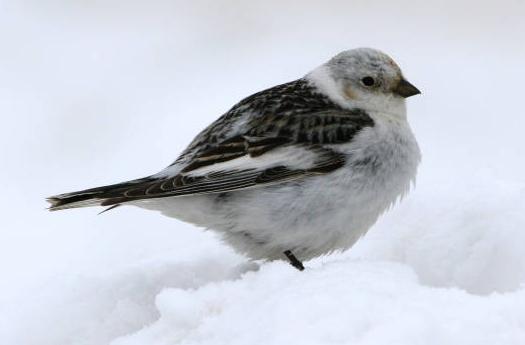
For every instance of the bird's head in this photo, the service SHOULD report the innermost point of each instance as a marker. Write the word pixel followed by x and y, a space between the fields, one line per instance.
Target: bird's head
pixel 365 78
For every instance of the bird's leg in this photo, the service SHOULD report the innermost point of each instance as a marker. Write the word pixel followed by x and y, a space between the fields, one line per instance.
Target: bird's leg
pixel 293 260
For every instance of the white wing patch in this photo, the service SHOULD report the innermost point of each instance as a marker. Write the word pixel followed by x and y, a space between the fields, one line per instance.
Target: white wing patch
pixel 293 158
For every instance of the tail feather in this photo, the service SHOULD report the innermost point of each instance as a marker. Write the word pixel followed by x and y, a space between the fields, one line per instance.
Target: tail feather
pixel 100 196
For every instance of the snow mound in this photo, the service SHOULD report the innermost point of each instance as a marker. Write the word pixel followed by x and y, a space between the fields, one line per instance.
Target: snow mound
pixel 92 310
pixel 338 302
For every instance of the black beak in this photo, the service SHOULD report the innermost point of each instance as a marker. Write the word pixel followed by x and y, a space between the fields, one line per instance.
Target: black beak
pixel 405 89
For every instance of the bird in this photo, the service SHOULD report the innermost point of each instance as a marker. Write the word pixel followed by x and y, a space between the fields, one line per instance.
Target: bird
pixel 293 172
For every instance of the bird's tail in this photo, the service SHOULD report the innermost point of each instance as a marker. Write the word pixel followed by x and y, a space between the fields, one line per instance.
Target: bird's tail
pixel 100 196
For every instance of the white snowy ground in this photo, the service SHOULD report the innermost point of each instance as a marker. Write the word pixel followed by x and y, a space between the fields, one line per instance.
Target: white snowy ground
pixel 88 90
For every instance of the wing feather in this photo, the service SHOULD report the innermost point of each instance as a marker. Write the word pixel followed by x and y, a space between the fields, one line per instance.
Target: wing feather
pixel 295 148
pixel 223 181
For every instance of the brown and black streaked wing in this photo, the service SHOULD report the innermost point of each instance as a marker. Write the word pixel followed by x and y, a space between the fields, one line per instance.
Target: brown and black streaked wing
pixel 270 132
pixel 314 133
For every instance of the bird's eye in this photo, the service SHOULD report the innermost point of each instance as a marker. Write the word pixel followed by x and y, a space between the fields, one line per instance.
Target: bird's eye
pixel 368 81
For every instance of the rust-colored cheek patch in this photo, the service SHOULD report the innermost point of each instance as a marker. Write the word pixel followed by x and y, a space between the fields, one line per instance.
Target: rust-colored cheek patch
pixel 349 93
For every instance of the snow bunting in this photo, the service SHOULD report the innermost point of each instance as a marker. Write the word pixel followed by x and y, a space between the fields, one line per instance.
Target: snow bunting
pixel 292 172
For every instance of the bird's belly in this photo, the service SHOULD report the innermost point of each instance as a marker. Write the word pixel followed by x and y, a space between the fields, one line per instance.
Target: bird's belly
pixel 314 218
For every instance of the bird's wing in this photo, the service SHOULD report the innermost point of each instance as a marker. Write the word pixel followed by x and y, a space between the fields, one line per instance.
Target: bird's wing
pixel 285 133
pixel 275 149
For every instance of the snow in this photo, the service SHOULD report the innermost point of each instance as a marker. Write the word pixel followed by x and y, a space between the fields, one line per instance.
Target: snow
pixel 446 266
pixel 375 303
